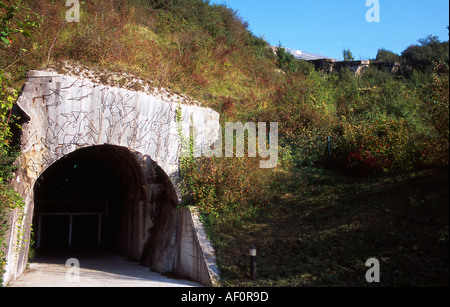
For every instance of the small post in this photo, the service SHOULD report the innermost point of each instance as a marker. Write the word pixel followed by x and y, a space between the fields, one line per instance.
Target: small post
pixel 329 151
pixel 252 253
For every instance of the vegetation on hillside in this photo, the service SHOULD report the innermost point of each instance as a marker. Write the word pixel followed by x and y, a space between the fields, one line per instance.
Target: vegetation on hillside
pixel 15 19
pixel 339 134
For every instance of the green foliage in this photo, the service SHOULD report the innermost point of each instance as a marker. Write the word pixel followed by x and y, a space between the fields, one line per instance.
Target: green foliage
pixel 11 24
pixel 220 186
pixel 431 50
pixel 307 150
pixel 286 60
pixel 435 111
pixel 9 199
pixel 216 20
pixel 347 55
pixel 384 55
pixel 15 18
pixel 378 145
pixel 161 4
pixel 378 122
pixel 305 67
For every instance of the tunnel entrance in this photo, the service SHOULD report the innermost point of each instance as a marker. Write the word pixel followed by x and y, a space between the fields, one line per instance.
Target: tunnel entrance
pixel 80 201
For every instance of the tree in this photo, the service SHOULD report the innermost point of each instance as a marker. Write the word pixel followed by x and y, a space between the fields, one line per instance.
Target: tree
pixel 286 60
pixel 384 55
pixel 348 56
pixel 431 50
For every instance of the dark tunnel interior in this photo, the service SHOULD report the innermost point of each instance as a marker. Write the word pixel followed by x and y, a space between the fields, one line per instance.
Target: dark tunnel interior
pixel 80 198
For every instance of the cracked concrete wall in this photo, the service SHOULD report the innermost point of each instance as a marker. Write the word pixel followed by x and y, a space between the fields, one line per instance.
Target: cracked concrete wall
pixel 67 113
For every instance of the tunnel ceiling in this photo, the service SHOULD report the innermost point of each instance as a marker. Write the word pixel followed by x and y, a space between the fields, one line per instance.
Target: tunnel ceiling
pixel 94 173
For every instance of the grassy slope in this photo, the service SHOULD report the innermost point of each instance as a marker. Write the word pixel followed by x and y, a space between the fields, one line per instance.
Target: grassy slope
pixel 179 50
pixel 323 226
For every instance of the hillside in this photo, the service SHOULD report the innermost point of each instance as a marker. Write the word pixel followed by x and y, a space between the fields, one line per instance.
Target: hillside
pixel 363 160
pixel 200 50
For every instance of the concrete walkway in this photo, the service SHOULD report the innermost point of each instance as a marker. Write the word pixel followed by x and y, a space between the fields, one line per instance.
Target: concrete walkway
pixel 96 270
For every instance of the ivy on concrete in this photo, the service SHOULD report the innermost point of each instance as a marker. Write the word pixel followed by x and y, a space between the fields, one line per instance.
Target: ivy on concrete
pixel 15 19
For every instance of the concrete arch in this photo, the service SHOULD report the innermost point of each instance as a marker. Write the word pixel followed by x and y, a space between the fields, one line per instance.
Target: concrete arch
pixel 136 202
pixel 72 115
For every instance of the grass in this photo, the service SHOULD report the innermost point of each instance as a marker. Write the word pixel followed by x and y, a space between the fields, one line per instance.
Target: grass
pixel 324 226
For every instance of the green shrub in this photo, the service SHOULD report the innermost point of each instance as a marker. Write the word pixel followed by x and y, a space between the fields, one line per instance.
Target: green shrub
pixel 308 150
pixel 379 145
pixel 222 186
pixel 286 61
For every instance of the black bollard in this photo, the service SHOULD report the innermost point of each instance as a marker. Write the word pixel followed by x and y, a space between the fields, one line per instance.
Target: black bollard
pixel 252 253
pixel 329 151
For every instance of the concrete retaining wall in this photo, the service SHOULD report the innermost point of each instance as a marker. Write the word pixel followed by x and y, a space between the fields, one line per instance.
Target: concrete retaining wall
pixel 198 261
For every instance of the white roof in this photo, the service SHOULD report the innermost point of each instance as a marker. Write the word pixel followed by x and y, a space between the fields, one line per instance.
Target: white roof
pixel 307 56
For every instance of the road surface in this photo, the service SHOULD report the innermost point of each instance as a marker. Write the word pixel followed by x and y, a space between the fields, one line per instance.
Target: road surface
pixel 95 270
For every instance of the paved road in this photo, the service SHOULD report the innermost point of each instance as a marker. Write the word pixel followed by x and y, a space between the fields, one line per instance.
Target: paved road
pixel 96 270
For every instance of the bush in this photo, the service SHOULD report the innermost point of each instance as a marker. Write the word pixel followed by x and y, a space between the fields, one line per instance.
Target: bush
pixel 308 150
pixel 286 60
pixel 222 186
pixel 378 145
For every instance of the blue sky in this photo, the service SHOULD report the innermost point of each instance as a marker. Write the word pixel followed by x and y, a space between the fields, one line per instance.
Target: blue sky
pixel 328 26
